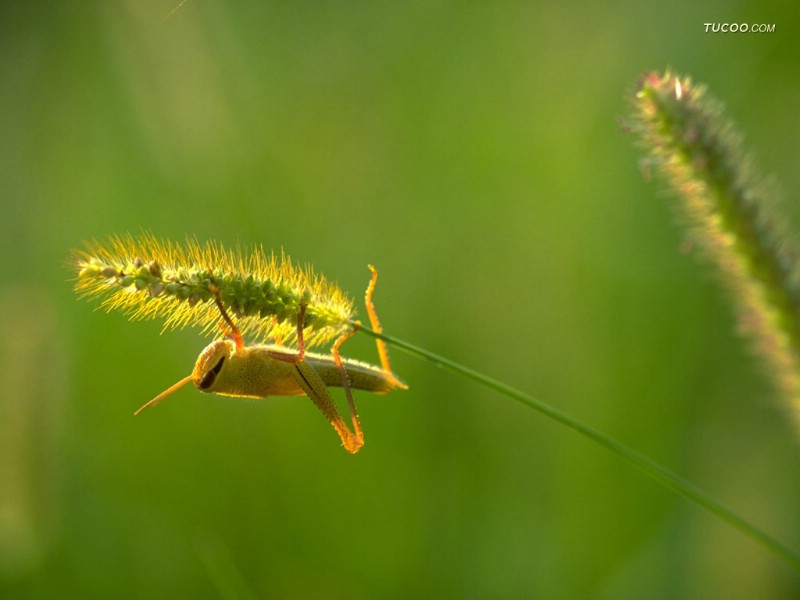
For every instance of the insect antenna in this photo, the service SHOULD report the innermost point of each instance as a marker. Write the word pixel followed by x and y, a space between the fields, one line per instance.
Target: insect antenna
pixel 165 393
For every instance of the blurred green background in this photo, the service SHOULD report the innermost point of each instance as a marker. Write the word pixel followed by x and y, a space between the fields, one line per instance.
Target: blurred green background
pixel 473 152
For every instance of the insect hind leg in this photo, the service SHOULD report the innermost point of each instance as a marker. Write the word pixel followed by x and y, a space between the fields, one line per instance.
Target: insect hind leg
pixel 383 351
pixel 358 435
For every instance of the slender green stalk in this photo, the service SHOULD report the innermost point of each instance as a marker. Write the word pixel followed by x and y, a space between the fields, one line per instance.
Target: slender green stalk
pixel 646 465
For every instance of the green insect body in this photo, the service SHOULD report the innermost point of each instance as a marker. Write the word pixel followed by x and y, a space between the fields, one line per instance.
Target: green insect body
pixel 256 372
pixel 262 371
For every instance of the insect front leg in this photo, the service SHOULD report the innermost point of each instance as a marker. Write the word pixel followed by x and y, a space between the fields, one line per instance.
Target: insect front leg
pixel 234 331
pixel 301 346
pixel 237 336
pixel 313 385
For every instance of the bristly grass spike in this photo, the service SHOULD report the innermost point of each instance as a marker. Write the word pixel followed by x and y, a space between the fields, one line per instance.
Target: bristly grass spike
pixel 145 277
pixel 203 284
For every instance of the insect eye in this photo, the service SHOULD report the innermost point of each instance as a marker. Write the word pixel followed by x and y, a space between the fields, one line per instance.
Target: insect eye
pixel 208 379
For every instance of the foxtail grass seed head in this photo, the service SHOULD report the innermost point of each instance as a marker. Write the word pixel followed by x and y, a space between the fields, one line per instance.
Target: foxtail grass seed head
pixel 731 215
pixel 145 277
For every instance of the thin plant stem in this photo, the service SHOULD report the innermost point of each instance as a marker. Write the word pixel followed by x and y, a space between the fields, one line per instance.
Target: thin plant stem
pixel 643 463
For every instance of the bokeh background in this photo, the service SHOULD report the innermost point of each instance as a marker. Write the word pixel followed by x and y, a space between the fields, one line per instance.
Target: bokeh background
pixel 474 153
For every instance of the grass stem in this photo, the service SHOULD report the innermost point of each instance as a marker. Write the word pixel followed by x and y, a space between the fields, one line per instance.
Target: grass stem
pixel 646 465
